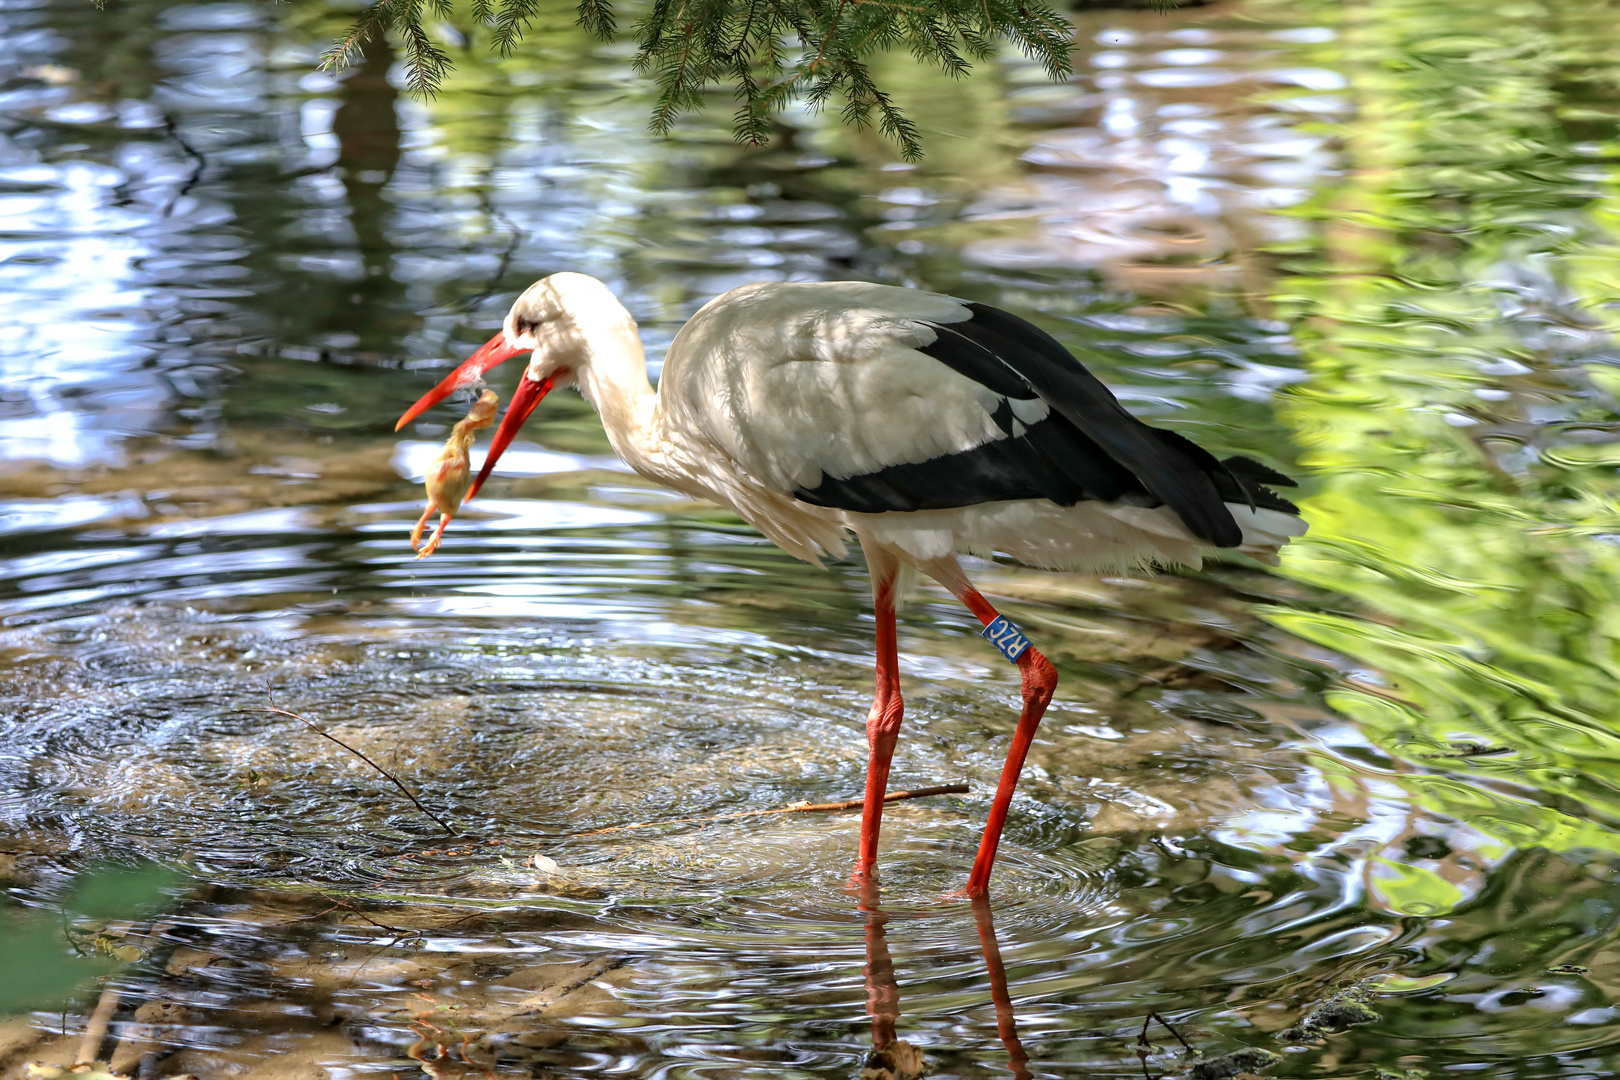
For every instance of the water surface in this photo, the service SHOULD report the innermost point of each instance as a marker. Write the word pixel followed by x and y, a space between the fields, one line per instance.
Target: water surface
pixel 1372 245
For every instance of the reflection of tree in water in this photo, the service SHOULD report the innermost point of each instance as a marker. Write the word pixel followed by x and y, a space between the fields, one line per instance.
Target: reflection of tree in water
pixel 1458 346
pixel 323 268
pixel 114 48
pixel 1537 912
pixel 253 253
pixel 367 129
pixel 319 295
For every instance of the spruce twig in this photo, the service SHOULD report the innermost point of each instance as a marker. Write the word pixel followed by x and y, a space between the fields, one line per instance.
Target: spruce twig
pixel 767 52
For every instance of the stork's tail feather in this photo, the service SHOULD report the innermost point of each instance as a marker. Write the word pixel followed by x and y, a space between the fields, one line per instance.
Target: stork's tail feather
pixel 1266 529
pixel 1250 469
pixel 1267 519
pixel 1238 480
pixel 1243 480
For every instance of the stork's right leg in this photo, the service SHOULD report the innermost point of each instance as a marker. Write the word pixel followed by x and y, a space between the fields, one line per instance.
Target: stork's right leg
pixel 883 721
pixel 1039 683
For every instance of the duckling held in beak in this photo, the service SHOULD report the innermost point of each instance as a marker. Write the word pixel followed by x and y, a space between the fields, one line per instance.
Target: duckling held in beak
pixel 450 475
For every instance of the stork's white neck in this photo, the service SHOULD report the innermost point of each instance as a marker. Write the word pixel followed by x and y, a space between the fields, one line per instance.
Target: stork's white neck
pixel 613 377
pixel 575 325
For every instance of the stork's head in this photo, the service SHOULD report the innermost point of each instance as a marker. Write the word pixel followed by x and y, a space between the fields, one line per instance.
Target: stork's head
pixel 553 320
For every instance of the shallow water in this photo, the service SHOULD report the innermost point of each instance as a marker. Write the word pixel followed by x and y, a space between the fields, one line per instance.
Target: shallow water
pixel 1369 244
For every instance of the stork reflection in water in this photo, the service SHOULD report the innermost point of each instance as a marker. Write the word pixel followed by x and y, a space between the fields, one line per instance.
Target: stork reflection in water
pixel 893 1058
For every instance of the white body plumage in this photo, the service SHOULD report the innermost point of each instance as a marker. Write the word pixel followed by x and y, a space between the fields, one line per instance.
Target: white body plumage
pixel 770 388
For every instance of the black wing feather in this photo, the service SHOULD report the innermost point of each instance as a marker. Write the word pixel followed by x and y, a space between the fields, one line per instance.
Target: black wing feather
pixel 1164 468
pixel 1043 463
pixel 965 354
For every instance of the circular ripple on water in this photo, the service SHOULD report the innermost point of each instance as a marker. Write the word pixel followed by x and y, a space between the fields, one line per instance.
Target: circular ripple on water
pixel 160 746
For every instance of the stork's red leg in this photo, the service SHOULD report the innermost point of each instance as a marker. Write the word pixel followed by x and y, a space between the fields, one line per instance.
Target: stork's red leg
pixel 1006 1022
pixel 883 721
pixel 1040 682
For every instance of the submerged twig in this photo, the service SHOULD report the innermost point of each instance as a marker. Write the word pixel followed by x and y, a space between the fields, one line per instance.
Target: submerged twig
pixel 95 1032
pixel 390 777
pixel 1142 1039
pixel 1468 750
pixel 201 163
pixel 796 808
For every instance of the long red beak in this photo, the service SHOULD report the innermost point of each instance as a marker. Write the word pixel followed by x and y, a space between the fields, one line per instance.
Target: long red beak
pixel 494 351
pixel 528 395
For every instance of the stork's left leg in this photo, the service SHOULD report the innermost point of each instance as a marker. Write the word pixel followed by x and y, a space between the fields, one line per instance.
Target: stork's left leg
pixel 883 721
pixel 1040 683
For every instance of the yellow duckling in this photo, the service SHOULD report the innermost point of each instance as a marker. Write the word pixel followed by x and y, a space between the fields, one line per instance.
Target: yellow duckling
pixel 450 475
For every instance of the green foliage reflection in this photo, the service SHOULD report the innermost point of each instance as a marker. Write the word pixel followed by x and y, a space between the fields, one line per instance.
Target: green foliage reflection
pixel 1457 316
pixel 44 963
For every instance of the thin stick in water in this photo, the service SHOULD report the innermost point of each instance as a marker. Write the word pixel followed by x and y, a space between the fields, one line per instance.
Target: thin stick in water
pixel 392 779
pixel 796 808
pixel 1142 1039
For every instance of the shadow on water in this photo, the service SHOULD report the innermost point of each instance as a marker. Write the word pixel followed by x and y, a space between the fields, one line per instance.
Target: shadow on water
pixel 1358 815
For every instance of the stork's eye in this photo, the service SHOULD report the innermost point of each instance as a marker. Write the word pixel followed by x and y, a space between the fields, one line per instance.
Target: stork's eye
pixel 524 325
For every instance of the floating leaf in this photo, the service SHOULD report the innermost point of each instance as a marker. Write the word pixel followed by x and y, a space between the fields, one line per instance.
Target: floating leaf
pixel 1413 890
pixel 1409 984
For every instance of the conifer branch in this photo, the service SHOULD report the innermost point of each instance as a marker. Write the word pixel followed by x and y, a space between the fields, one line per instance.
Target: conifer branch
pixel 766 52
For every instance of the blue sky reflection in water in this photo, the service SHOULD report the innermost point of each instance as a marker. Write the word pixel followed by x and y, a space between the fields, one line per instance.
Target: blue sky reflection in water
pixel 1374 243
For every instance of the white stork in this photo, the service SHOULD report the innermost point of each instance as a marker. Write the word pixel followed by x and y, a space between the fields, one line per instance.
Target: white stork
pixel 923 424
